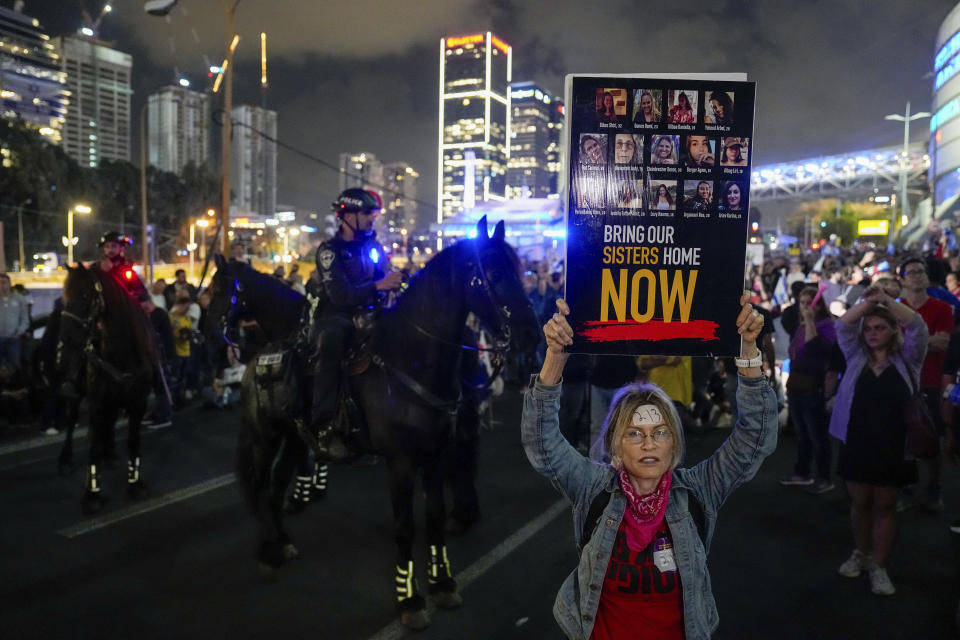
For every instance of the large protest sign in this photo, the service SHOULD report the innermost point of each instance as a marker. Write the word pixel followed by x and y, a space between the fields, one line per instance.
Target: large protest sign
pixel 658 176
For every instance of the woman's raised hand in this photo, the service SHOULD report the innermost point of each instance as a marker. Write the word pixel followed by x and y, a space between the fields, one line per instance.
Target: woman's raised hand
pixel 749 321
pixel 558 331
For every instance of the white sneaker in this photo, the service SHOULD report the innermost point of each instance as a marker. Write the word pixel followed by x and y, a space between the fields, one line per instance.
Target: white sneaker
pixel 855 564
pixel 880 582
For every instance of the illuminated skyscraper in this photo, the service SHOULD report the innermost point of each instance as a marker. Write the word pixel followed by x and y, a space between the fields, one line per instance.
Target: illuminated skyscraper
pixel 361 170
pixel 33 87
pixel 474 122
pixel 253 165
pixel 400 198
pixel 178 128
pixel 536 120
pixel 98 118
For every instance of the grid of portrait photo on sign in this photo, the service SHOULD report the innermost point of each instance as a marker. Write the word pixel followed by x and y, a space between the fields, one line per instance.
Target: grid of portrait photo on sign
pixel 676 149
pixel 659 175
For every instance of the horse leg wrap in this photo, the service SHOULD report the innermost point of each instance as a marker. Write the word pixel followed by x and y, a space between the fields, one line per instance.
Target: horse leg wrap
pixel 93 479
pixel 440 574
pixel 320 478
pixel 302 489
pixel 406 582
pixel 133 470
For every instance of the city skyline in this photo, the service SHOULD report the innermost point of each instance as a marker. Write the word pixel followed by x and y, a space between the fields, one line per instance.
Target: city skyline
pixel 333 95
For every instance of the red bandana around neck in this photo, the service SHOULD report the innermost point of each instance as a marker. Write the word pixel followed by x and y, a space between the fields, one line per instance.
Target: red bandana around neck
pixel 644 513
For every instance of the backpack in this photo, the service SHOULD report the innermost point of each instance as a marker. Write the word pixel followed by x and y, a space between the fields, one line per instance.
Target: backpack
pixel 602 499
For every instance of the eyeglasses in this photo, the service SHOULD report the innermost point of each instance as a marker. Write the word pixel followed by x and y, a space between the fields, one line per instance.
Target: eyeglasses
pixel 914 272
pixel 635 436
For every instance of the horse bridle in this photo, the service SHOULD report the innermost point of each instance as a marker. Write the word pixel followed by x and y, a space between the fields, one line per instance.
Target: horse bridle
pixel 502 339
pixel 88 323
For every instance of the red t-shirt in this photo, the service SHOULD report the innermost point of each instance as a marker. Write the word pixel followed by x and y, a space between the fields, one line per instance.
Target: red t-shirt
pixel 939 317
pixel 638 601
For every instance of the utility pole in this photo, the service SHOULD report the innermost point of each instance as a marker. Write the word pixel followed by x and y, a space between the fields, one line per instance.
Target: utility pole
pixel 906 119
pixel 230 11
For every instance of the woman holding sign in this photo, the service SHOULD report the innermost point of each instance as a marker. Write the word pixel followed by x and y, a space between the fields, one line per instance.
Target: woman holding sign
pixel 632 514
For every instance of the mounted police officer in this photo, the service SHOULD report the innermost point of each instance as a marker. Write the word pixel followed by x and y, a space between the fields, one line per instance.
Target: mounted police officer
pixel 353 271
pixel 115 262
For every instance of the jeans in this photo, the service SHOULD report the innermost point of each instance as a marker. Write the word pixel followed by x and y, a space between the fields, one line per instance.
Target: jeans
pixel 810 420
pixel 10 352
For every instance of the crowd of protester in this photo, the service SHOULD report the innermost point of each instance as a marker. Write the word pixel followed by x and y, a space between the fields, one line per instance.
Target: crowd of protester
pixel 830 317
pixel 819 325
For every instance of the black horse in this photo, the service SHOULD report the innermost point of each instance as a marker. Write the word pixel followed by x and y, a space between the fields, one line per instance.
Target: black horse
pixel 407 399
pixel 104 331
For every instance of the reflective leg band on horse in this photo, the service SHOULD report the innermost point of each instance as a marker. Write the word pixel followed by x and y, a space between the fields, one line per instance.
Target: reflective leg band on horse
pixel 133 470
pixel 93 480
pixel 439 564
pixel 320 477
pixel 406 584
pixel 301 490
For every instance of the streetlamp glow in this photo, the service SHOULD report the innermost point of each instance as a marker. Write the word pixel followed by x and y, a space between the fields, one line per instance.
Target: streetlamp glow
pixel 70 240
pixel 906 119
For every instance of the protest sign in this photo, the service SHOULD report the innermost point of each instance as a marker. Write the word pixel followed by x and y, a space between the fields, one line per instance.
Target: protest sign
pixel 658 181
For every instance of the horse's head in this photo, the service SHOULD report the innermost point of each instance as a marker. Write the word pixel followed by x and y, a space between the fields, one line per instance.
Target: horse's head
pixel 495 290
pixel 224 304
pixel 82 306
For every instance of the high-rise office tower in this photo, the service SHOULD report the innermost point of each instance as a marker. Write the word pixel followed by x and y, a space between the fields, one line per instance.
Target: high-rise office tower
pixel 362 170
pixel 178 128
pixel 253 161
pixel 400 198
pixel 536 120
pixel 474 122
pixel 33 87
pixel 98 118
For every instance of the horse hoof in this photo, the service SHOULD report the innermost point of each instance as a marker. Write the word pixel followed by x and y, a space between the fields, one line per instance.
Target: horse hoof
pixel 417 620
pixel 268 573
pixel 92 503
pixel 137 490
pixel 289 551
pixel 447 599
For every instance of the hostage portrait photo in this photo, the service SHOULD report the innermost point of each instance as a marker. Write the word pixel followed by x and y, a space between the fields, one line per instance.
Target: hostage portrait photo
pixel 664 150
pixel 698 195
pixel 647 107
pixel 663 195
pixel 699 151
pixel 735 152
pixel 682 106
pixel 590 189
pixel 592 149
pixel 719 108
pixel 627 149
pixel 611 105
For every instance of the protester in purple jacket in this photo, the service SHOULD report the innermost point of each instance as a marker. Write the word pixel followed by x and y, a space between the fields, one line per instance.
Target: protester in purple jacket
pixel 883 367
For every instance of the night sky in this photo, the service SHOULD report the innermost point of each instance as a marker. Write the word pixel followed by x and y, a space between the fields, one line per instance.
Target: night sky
pixel 362 75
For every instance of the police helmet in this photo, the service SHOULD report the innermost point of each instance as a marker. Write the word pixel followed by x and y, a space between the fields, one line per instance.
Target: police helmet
pixel 356 200
pixel 114 236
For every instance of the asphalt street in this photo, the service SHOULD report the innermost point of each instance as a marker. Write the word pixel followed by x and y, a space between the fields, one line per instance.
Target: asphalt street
pixel 181 564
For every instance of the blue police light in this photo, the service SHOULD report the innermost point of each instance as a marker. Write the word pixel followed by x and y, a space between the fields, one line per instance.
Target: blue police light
pixel 374 255
pixel 472 233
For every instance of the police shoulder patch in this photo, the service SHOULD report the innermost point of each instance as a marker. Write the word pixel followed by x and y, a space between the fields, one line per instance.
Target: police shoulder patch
pixel 326 258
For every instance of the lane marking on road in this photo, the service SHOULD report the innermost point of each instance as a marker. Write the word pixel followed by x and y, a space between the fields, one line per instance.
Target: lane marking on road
pixel 145 507
pixel 395 630
pixel 40 441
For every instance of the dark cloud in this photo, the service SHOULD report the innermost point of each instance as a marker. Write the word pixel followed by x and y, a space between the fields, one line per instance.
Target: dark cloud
pixel 362 75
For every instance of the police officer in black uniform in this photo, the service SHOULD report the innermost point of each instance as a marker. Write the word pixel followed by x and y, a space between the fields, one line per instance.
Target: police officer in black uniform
pixel 116 263
pixel 353 271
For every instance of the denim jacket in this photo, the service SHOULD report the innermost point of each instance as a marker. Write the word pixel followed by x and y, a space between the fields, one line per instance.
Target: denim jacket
pixel 579 479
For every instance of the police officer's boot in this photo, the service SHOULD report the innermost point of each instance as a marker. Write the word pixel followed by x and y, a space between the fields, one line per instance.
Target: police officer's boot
pixel 330 445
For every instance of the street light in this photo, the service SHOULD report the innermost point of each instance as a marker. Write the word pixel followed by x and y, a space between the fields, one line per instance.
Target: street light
pixel 203 223
pixel 70 240
pixel 906 119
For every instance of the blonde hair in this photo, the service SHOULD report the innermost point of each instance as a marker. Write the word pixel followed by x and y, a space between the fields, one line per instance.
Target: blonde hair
pixel 620 417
